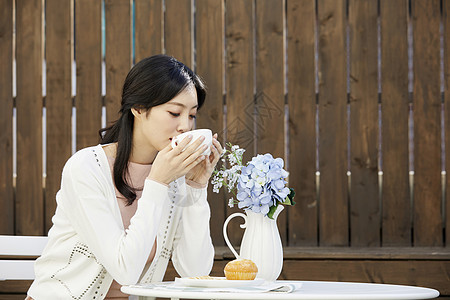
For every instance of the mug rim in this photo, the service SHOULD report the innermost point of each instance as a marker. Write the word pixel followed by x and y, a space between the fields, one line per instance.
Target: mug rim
pixel 190 131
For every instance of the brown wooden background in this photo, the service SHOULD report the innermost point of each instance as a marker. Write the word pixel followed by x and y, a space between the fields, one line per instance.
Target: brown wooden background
pixel 353 94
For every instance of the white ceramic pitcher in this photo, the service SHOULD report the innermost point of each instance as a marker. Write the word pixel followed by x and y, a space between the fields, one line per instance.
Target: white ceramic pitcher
pixel 261 242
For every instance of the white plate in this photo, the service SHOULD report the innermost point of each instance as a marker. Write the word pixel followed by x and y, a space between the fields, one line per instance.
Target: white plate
pixel 217 282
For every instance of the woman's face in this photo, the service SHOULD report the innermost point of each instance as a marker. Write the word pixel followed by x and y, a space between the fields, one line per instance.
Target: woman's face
pixel 156 128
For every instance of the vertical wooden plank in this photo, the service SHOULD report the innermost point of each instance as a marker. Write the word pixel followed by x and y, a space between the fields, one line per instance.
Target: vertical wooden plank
pixel 148 28
pixel 6 113
pixel 270 77
pixel 270 84
pixel 446 23
pixel 178 30
pixel 29 193
pixel 118 53
pixel 364 199
pixel 396 229
pixel 302 122
pixel 59 56
pixel 88 60
pixel 239 74
pixel 427 129
pixel 333 205
pixel 210 52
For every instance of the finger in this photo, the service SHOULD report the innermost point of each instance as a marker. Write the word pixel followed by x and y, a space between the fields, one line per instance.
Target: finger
pixel 215 156
pixel 194 147
pixel 195 162
pixel 184 142
pixel 180 147
pixel 167 148
pixel 214 151
pixel 211 159
pixel 193 156
pixel 195 144
pixel 218 146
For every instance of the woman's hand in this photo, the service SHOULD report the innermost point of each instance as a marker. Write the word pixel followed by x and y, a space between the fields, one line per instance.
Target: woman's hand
pixel 172 163
pixel 202 172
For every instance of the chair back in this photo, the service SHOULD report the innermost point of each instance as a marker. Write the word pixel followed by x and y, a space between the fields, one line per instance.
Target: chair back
pixel 17 256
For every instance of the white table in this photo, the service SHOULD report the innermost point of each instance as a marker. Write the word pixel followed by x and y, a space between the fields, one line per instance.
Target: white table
pixel 309 290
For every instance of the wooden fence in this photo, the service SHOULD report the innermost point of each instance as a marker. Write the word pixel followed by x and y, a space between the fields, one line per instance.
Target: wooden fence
pixel 353 94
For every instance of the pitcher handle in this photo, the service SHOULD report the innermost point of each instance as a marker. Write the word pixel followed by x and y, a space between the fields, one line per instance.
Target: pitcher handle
pixel 225 235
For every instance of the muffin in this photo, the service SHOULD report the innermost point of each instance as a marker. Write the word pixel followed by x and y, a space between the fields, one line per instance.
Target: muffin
pixel 240 269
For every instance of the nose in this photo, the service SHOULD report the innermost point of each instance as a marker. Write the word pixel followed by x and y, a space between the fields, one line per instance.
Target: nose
pixel 184 124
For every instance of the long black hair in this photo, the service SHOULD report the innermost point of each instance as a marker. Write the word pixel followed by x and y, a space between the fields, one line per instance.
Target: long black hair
pixel 153 81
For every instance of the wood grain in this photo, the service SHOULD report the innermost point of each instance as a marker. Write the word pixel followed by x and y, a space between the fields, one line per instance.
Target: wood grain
pixel 148 28
pixel 29 193
pixel 333 190
pixel 353 253
pixel 396 203
pixel 118 53
pixel 14 287
pixel 269 99
pixel 210 67
pixel 239 74
pixel 427 124
pixel 365 208
pixel 59 54
pixel 302 122
pixel 432 274
pixel 6 117
pixel 178 31
pixel 446 23
pixel 88 56
pixel 270 93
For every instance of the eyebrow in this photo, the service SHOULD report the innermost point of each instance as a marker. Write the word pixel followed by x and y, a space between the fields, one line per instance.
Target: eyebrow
pixel 181 104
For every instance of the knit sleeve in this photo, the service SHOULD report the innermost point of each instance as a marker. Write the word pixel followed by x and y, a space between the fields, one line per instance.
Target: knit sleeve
pixel 193 251
pixel 89 203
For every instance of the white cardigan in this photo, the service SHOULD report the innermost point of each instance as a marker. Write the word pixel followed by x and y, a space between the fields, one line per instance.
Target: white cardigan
pixel 88 246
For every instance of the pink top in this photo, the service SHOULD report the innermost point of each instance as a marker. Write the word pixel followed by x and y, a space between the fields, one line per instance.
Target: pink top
pixel 138 173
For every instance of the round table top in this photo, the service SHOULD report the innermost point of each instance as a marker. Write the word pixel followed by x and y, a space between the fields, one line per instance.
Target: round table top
pixel 307 290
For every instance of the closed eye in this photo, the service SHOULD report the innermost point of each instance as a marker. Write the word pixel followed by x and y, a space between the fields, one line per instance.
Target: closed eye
pixel 178 114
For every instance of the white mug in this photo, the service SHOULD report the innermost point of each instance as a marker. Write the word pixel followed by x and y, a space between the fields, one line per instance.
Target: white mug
pixel 207 133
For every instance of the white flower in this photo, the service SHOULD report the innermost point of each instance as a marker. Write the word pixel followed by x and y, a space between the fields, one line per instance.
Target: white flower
pixel 234 148
pixel 232 159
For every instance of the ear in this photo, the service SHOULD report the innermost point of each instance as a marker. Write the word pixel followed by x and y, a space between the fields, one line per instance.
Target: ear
pixel 137 113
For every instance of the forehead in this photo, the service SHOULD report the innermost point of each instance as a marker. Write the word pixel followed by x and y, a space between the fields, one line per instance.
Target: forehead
pixel 187 98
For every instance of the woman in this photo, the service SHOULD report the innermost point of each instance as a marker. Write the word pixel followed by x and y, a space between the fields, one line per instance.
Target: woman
pixel 129 204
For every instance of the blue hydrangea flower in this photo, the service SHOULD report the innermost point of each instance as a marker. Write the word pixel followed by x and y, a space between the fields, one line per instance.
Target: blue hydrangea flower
pixel 258 186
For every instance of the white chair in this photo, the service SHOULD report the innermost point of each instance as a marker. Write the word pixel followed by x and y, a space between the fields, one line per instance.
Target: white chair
pixel 17 256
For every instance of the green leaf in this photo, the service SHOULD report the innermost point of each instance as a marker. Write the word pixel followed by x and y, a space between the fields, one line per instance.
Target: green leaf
pixel 272 210
pixel 289 199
